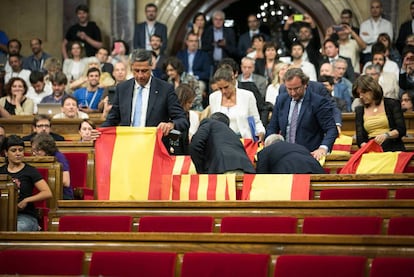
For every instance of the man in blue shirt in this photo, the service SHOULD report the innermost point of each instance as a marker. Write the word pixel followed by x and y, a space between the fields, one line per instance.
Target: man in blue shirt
pixel 89 97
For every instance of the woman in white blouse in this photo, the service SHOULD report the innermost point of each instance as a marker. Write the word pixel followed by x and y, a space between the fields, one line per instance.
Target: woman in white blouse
pixel 74 66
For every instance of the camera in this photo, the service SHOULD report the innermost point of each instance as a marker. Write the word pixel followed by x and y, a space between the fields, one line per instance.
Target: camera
pixel 297 17
pixel 338 28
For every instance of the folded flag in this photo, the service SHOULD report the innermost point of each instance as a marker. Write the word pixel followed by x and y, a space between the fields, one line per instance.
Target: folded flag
pixel 251 148
pixel 199 187
pixel 342 146
pixel 263 187
pixel 371 159
pixel 130 163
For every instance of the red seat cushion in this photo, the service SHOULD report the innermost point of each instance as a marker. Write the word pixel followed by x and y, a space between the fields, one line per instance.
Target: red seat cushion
pixel 354 194
pixel 95 223
pixel 320 266
pixel 43 262
pixel 225 264
pixel 125 264
pixel 193 224
pixel 258 224
pixel 405 193
pixel 401 226
pixel 345 225
pixel 392 267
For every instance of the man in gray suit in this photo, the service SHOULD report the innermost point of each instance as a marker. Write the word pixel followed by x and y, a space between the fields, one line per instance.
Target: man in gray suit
pixel 247 68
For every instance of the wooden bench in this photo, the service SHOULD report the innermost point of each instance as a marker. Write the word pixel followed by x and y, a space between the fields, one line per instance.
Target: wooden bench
pixel 8 204
pixel 274 245
pixel 219 209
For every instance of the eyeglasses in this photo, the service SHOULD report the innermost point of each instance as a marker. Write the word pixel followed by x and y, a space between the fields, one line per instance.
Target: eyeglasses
pixel 43 126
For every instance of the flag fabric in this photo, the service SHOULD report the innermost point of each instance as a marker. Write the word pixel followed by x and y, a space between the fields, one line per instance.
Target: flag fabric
pixel 264 187
pixel 199 187
pixel 342 146
pixel 130 162
pixel 371 159
pixel 251 147
pixel 183 165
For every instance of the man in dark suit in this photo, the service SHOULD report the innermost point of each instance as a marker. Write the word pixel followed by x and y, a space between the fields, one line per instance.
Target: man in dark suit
pixel 102 55
pixel 157 105
pixel 280 157
pixel 219 41
pixel 405 29
pixel 144 30
pixel 245 41
pixel 216 149
pixel 314 125
pixel 195 61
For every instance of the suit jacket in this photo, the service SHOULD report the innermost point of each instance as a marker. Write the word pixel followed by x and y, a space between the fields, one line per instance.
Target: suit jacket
pixel 405 30
pixel 163 106
pixel 259 81
pixel 107 67
pixel 315 126
pixel 216 149
pixel 396 121
pixel 201 65
pixel 318 88
pixel 207 42
pixel 287 158
pixel 140 31
pixel 349 74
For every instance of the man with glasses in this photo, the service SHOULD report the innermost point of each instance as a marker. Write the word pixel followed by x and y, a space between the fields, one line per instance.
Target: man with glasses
pixel 303 116
pixel 146 101
pixel 245 40
pixel 41 124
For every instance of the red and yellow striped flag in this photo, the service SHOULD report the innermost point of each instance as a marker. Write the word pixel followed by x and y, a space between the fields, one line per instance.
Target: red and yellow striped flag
pixel 199 187
pixel 183 165
pixel 251 148
pixel 264 187
pixel 130 163
pixel 342 146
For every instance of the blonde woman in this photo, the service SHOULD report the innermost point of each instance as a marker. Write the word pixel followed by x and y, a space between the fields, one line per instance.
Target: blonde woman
pixel 272 91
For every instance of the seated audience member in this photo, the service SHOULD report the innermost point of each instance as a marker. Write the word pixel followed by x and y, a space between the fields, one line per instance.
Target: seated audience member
pixel 74 66
pixel 120 52
pixel 331 50
pixel 27 178
pixel 387 80
pixel 406 79
pixel 407 101
pixel 38 90
pixel 41 124
pixel 59 82
pixel 89 97
pixel 176 76
pixel 297 51
pixel 85 130
pixel 338 95
pixel 44 145
pixel 51 66
pixel 378 118
pixel 264 66
pixel 272 90
pixel 379 50
pixel 105 78
pixel 70 109
pixel 13 48
pixel 36 61
pixel 280 157
pixel 16 62
pixel 257 43
pixel 238 104
pixel 216 149
pixel 120 73
pixel 15 102
pixel 391 52
pixel 102 55
pixel 247 75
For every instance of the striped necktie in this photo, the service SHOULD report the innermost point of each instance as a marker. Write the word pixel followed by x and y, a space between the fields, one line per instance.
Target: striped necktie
pixel 294 123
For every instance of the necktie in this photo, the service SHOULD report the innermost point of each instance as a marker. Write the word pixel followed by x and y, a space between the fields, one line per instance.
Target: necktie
pixel 138 108
pixel 294 123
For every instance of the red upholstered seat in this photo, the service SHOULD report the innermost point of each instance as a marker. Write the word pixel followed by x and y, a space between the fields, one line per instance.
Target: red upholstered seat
pixel 41 206
pixel 406 193
pixel 125 264
pixel 224 265
pixel 392 267
pixel 402 226
pixel 320 266
pixel 193 224
pixel 345 225
pixel 78 163
pixel 43 262
pixel 354 194
pixel 258 224
pixel 2 264
pixel 95 223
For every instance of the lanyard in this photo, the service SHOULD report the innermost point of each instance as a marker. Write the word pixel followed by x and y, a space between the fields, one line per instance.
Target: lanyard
pixel 93 98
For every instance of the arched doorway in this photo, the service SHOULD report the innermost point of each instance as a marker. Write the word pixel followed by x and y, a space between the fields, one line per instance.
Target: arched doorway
pixel 239 9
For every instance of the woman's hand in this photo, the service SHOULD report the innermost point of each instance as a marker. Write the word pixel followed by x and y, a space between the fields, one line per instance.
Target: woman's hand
pixel 22 204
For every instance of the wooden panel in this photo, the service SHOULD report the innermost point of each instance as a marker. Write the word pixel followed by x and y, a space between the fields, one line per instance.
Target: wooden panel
pixel 8 204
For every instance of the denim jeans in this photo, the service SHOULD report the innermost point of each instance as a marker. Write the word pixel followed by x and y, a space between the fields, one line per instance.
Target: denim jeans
pixel 26 223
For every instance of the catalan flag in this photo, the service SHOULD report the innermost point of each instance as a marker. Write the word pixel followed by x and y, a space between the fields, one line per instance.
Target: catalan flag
pixel 251 147
pixel 199 187
pixel 371 159
pixel 130 163
pixel 183 165
pixel 264 187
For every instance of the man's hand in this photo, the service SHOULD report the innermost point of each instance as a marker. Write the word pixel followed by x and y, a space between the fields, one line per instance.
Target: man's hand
pixel 166 127
pixel 319 153
pixel 95 134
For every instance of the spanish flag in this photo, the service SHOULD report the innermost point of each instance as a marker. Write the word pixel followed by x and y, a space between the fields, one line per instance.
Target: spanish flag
pixel 199 187
pixel 371 159
pixel 342 146
pixel 130 163
pixel 262 187
pixel 251 147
